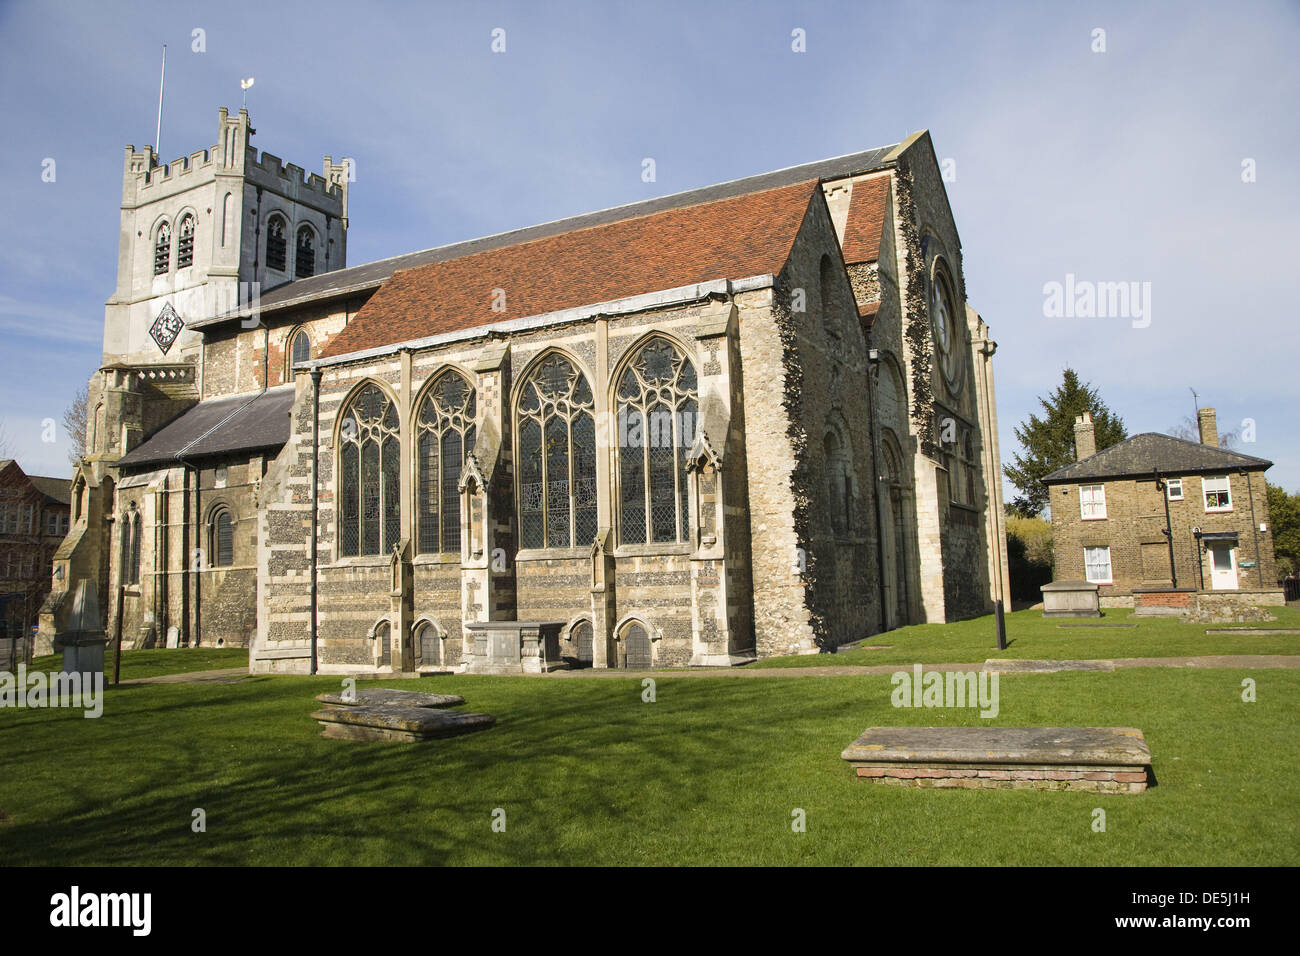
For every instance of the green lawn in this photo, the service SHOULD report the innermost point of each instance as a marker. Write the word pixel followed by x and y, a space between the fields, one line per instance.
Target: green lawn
pixel 587 773
pixel 1029 635
pixel 155 663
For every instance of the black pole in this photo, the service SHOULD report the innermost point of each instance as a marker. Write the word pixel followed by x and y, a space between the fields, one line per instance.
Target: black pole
pixel 1002 625
pixel 315 464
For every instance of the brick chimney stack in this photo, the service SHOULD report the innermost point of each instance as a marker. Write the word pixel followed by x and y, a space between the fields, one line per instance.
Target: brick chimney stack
pixel 1209 427
pixel 1085 441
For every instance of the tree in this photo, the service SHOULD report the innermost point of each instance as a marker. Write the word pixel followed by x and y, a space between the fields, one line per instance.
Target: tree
pixel 1189 430
pixel 74 422
pixel 1284 513
pixel 1047 443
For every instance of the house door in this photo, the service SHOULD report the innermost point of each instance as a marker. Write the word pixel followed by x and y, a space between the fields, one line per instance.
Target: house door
pixel 1223 566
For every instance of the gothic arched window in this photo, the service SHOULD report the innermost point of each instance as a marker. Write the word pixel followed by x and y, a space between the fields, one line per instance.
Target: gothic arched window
pixel 657 408
pixel 222 546
pixel 557 456
pixel 276 246
pixel 299 351
pixel 185 246
pixel 304 262
pixel 445 435
pixel 162 250
pixel 370 504
pixel 131 546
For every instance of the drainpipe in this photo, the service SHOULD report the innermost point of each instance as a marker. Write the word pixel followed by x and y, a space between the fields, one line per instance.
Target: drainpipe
pixel 1254 528
pixel 315 502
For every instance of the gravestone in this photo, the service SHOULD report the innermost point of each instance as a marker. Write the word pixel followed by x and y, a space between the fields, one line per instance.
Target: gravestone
pixel 1071 599
pixel 396 722
pixel 82 645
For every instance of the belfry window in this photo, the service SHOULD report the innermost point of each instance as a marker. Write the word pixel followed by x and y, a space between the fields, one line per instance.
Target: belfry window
pixel 185 246
pixel 369 510
pixel 657 408
pixel 445 436
pixel 304 262
pixel 162 250
pixel 276 247
pixel 557 457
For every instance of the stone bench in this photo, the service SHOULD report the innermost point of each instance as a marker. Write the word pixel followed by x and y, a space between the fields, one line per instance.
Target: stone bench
pixel 1097 759
pixel 392 722
pixel 395 698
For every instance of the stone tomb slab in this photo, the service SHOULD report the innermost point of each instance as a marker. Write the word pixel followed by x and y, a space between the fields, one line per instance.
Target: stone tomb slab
pixel 389 722
pixel 395 698
pixel 1096 759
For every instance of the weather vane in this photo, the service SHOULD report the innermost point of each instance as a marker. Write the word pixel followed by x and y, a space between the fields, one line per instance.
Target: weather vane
pixel 244 84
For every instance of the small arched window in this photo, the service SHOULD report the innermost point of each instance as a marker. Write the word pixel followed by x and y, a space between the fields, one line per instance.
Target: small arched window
pixel 162 250
pixel 185 245
pixel 657 407
pixel 300 351
pixel 445 435
pixel 222 546
pixel 276 245
pixel 131 546
pixel 557 456
pixel 304 263
pixel 370 504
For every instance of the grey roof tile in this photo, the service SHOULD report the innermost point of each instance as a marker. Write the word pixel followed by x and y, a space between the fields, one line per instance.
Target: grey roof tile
pixel 1151 451
pixel 219 426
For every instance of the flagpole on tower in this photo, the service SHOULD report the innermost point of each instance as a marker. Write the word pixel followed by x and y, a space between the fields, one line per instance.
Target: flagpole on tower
pixel 162 79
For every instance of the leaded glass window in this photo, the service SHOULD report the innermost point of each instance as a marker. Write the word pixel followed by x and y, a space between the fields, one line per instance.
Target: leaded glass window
pixel 162 250
pixel 444 436
pixel 658 404
pixel 223 540
pixel 304 263
pixel 135 548
pixel 557 457
pixel 276 247
pixel 301 349
pixel 185 247
pixel 369 510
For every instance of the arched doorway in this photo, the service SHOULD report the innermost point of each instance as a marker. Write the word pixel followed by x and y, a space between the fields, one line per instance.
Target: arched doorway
pixel 582 636
pixel 636 644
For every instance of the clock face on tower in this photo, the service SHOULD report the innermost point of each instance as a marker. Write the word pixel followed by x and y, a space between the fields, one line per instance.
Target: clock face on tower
pixel 166 327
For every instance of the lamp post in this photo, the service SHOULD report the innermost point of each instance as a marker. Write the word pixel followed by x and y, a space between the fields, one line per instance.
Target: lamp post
pixel 1168 529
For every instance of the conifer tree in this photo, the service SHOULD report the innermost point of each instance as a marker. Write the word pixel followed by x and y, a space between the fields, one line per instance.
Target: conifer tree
pixel 1047 443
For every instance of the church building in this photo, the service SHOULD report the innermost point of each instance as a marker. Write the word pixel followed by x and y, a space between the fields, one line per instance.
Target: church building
pixel 751 419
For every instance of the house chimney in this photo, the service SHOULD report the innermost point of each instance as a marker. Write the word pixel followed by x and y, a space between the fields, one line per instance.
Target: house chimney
pixel 1209 427
pixel 1085 442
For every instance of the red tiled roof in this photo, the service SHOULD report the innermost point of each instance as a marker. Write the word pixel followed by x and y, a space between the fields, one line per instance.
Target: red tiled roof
pixel 732 238
pixel 866 220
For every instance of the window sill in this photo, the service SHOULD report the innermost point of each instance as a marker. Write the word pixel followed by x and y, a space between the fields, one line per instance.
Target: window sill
pixel 551 554
pixel 1094 518
pixel 368 561
pixel 651 550
pixel 1219 511
pixel 441 558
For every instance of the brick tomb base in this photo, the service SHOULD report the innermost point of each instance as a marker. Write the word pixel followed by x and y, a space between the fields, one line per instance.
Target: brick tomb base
pixel 1096 759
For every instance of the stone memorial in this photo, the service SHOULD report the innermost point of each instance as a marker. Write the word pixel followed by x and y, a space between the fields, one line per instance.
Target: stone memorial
pixel 82 644
pixel 1096 759
pixel 1071 599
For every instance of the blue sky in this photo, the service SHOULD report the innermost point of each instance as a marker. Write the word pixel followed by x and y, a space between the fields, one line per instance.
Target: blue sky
pixel 1123 165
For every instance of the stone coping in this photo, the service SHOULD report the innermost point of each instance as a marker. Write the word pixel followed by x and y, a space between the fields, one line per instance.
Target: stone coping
pixel 1069 586
pixel 385 722
pixel 396 698
pixel 509 625
pixel 1028 747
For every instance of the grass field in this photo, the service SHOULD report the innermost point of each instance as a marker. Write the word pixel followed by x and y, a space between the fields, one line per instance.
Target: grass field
pixel 588 773
pixel 156 663
pixel 1030 635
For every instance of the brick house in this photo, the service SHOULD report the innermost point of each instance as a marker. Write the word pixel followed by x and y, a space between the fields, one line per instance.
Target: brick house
pixel 34 514
pixel 747 419
pixel 1111 511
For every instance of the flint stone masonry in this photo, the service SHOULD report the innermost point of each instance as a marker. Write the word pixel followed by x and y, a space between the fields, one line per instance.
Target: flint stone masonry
pixel 390 697
pixel 1096 759
pixel 406 724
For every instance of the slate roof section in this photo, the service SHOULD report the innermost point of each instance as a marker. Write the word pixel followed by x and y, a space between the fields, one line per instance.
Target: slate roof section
pixel 58 490
pixel 370 276
pixel 866 220
pixel 1138 456
pixel 220 426
pixel 733 238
